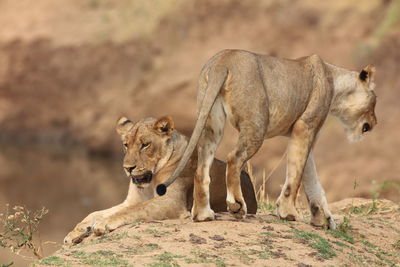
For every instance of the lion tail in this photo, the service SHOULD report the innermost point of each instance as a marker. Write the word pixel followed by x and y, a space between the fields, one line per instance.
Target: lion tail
pixel 216 80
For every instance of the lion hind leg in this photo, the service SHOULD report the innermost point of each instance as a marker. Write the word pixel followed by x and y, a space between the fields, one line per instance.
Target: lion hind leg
pixel 208 143
pixel 320 213
pixel 250 140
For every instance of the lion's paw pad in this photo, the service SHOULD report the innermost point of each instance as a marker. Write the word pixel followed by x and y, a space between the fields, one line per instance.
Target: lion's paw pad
pixel 234 207
pixel 237 210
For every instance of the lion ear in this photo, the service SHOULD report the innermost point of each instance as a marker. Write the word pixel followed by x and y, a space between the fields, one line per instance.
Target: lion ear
pixel 367 73
pixel 164 125
pixel 124 126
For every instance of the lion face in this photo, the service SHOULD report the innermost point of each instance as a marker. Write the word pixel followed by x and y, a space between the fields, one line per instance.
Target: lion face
pixel 147 147
pixel 358 109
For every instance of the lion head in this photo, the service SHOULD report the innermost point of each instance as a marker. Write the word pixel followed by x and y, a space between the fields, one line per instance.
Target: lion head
pixel 147 147
pixel 357 105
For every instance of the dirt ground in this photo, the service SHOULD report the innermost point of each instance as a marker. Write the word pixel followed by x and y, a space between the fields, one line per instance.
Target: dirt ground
pixel 69 70
pixel 369 237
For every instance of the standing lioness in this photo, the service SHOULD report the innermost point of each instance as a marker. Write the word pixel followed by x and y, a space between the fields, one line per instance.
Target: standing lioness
pixel 263 97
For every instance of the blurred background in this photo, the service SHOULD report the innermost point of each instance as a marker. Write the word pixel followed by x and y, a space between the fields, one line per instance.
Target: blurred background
pixel 69 69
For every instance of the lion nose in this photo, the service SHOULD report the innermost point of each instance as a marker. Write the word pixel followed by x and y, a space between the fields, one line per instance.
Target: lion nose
pixel 366 127
pixel 130 169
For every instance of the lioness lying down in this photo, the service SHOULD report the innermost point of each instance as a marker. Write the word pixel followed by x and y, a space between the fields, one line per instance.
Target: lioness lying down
pixel 153 148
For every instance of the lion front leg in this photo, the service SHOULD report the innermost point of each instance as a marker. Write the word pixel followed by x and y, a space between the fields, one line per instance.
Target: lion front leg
pixel 85 227
pixel 298 149
pixel 170 206
pixel 320 213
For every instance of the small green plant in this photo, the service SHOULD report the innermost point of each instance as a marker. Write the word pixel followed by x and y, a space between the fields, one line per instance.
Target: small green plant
pixel 200 257
pixel 342 235
pixel 143 248
pixel 165 259
pixel 385 185
pixel 340 244
pixel 262 254
pixel 135 224
pixel 379 187
pixel 243 256
pixel 100 258
pixel 397 245
pixel 266 206
pixel 155 232
pixel 317 242
pixel 113 238
pixel 345 225
pixel 368 244
pixel 52 261
pixel 374 206
pixel 269 234
pixel 19 229
pixel 344 228
pixel 356 210
pixel 383 255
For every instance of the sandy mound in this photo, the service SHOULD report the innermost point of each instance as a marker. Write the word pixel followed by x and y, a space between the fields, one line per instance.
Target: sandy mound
pixel 368 235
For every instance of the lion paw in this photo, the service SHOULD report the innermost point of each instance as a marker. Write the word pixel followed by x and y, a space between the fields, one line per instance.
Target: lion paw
pixel 328 222
pixel 76 236
pixel 331 223
pixel 321 218
pixel 286 211
pixel 317 216
pixel 237 209
pixel 100 229
pixel 105 226
pixel 206 214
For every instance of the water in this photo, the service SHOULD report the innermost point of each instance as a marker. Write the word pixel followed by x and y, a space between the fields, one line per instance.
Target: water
pixel 68 182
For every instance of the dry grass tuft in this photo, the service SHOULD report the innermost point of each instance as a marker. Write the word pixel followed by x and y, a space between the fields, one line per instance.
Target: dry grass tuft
pixel 263 200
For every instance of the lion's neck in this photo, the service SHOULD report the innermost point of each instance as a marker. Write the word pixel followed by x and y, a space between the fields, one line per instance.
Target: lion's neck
pixel 180 142
pixel 343 82
pixel 179 149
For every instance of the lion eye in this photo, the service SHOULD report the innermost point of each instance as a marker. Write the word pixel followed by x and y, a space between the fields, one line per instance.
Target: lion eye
pixel 144 145
pixel 126 145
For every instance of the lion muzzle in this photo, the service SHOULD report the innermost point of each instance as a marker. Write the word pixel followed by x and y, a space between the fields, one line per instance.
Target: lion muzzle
pixel 143 178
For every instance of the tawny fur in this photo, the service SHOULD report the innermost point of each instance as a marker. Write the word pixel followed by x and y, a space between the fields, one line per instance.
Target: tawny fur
pixel 263 97
pixel 153 145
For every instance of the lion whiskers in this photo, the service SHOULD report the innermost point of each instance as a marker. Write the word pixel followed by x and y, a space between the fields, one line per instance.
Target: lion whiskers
pixel 353 136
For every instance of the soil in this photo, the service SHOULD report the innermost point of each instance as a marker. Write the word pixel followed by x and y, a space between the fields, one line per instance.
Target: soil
pixel 369 236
